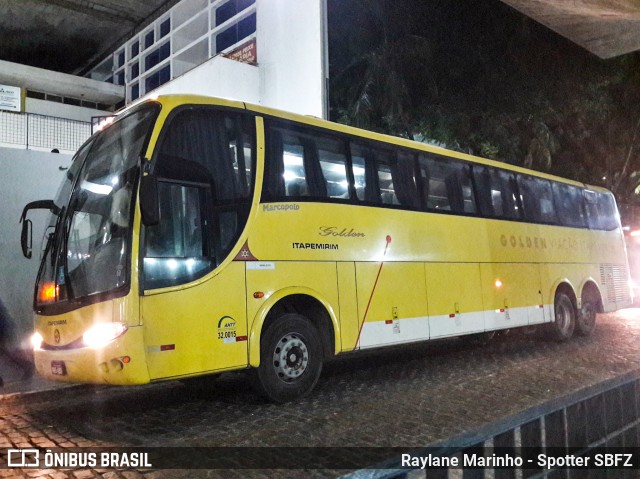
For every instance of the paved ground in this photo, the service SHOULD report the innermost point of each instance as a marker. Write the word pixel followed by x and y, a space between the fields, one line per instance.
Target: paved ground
pixel 411 396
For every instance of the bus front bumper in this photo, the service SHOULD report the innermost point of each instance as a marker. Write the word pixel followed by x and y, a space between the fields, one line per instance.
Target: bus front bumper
pixel 121 362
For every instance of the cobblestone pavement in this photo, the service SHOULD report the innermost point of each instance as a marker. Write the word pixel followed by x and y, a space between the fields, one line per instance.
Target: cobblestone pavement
pixel 403 396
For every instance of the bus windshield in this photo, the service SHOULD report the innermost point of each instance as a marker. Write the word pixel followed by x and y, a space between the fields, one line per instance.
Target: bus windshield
pixel 87 253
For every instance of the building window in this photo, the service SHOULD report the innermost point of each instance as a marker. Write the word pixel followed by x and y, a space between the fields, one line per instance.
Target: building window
pixel 36 94
pixel 165 27
pixel 158 55
pixel 228 10
pixel 236 33
pixel 120 59
pixel 149 39
pixel 160 77
pixel 135 49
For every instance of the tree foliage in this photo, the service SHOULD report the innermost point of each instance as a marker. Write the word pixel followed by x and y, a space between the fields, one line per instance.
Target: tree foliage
pixel 482 78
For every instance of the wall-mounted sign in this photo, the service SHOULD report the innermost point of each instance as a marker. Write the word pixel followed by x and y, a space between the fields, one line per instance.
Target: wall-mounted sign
pixel 10 98
pixel 246 53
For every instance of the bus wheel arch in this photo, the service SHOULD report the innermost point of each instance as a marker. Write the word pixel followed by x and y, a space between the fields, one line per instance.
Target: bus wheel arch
pixel 590 305
pixel 564 311
pixel 304 303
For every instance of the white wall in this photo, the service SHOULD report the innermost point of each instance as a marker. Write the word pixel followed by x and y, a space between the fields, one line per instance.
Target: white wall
pixel 26 176
pixel 290 55
pixel 219 77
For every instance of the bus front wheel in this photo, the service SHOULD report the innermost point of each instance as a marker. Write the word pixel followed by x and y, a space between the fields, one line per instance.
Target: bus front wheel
pixel 561 329
pixel 290 359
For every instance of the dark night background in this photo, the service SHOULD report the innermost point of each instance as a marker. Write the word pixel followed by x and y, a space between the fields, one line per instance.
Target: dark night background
pixel 480 77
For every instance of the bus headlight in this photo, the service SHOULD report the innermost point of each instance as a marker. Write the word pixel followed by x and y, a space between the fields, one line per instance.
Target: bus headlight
pixel 36 340
pixel 103 333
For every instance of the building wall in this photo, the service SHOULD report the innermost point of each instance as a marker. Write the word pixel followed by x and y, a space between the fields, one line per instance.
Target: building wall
pixel 291 62
pixel 60 110
pixel 291 40
pixel 219 77
pixel 26 176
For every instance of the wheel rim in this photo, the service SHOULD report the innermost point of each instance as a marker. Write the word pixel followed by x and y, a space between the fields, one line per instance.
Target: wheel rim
pixel 563 317
pixel 290 357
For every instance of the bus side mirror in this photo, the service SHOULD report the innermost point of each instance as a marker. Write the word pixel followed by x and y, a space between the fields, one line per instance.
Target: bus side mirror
pixel 26 235
pixel 26 238
pixel 149 203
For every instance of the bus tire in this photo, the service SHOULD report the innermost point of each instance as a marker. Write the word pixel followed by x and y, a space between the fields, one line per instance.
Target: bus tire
pixel 564 321
pixel 290 359
pixel 586 321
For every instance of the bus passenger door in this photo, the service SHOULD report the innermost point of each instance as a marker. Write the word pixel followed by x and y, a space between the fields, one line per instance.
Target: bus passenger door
pixel 392 306
pixel 193 321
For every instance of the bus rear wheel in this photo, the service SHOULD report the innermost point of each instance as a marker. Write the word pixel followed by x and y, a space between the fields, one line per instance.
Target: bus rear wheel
pixel 290 359
pixel 586 322
pixel 561 329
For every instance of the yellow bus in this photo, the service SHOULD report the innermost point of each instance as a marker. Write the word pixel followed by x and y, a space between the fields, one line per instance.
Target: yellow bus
pixel 195 235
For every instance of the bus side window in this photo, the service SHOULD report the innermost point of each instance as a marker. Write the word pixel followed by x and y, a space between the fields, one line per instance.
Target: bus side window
pixel 537 199
pixel 569 205
pixel 423 180
pixel 241 150
pixel 608 211
pixel 274 181
pixel 358 170
pixel 209 138
pixel 507 194
pixel 454 183
pixel 403 176
pixel 179 233
pixel 466 184
pixel 601 210
pixel 295 176
pixel 446 185
pixel 204 169
pixel 591 207
pixel 333 162
pixel 177 249
pixel 364 173
pixel 436 188
pixel 384 159
pixel 496 192
pixel 298 165
pixel 485 194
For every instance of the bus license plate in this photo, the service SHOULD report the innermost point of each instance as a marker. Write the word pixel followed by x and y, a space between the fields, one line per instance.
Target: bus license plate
pixel 58 368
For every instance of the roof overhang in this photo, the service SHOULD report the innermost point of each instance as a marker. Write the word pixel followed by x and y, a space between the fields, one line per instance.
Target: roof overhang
pixel 607 28
pixel 61 84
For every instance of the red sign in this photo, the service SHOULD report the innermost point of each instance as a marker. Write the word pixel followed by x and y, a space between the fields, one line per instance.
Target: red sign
pixel 246 53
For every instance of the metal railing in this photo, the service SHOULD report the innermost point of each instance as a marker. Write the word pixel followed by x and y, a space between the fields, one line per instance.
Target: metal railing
pixel 598 419
pixel 42 132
